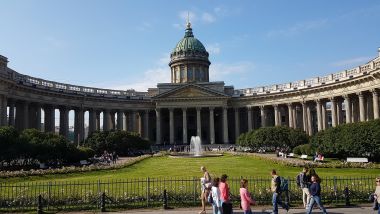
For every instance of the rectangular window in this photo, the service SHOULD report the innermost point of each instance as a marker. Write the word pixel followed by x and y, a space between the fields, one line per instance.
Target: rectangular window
pixel 182 73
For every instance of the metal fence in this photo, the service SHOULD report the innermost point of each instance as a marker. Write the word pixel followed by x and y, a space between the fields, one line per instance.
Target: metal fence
pixel 155 192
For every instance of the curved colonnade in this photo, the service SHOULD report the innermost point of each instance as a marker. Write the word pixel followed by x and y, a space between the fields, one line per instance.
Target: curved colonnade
pixel 312 105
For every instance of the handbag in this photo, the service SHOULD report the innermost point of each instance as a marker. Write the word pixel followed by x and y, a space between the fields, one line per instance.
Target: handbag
pixel 210 199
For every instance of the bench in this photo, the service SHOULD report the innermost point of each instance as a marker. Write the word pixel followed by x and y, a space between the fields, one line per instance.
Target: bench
pixel 84 162
pixel 303 156
pixel 357 160
pixel 43 166
pixel 290 155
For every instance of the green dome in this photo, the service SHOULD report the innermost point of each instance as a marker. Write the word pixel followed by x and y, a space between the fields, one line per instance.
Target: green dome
pixel 189 42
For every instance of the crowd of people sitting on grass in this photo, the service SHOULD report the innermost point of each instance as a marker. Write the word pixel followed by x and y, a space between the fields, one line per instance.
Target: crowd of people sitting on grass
pixel 216 191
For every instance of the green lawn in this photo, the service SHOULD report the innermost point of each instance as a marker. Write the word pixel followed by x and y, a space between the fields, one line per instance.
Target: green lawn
pixel 234 166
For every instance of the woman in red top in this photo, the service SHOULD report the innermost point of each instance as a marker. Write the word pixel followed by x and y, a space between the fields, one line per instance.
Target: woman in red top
pixel 245 197
pixel 225 195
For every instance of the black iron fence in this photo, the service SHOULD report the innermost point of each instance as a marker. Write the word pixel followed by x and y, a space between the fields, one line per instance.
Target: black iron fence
pixel 155 192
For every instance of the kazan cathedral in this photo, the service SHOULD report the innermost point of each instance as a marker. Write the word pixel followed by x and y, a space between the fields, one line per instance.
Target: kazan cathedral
pixel 190 105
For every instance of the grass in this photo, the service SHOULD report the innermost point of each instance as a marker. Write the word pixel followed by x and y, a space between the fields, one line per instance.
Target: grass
pixel 234 166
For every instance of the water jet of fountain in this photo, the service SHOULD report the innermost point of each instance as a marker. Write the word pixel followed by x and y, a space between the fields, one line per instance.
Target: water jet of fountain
pixel 195 146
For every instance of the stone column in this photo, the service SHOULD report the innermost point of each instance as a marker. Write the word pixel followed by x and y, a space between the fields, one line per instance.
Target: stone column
pixel 333 112
pixel 309 121
pixel 106 120
pixel 78 126
pixel 339 112
pixel 362 106
pixel 113 125
pixel 91 121
pixel 290 115
pixel 158 126
pixel 63 122
pixel 237 123
pixel 132 116
pixel 295 117
pixel 324 116
pixel 38 116
pixel 249 111
pixel 263 116
pixel 225 125
pixel 276 115
pixel 304 117
pixel 319 115
pixel 49 121
pixel 146 125
pixel 12 114
pixel 375 102
pixel 347 106
pixel 3 110
pixel 212 126
pixel 199 123
pixel 120 115
pixel 171 125
pixel 25 109
pixel 184 126
pixel 97 120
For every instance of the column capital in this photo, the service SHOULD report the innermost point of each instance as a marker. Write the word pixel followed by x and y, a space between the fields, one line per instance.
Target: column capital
pixel 289 104
pixel 184 109
pixel 147 111
pixel 236 109
pixel 225 107
pixel 360 94
pixel 374 91
pixel 332 99
pixel 346 96
pixel 157 109
pixel 275 106
pixel 249 108
pixel 171 109
pixel 198 108
pixel 262 107
pixel 211 108
pixel 318 101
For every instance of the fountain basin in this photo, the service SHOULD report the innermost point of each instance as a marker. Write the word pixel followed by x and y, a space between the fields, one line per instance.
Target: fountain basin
pixel 187 155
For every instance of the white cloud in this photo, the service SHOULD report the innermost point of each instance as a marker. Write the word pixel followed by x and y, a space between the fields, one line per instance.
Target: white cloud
pixel 221 71
pixel 213 48
pixel 298 28
pixel 352 61
pixel 208 18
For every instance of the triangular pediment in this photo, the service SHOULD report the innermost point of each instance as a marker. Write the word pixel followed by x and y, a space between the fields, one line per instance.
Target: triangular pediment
pixel 191 91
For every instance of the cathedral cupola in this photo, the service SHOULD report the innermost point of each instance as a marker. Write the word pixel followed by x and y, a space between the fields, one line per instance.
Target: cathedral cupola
pixel 189 60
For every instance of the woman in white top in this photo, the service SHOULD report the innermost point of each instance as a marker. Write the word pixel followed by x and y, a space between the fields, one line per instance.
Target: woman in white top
pixel 215 193
pixel 205 187
pixel 377 194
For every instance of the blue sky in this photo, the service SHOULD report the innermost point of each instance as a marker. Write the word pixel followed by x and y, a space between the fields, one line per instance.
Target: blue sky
pixel 126 44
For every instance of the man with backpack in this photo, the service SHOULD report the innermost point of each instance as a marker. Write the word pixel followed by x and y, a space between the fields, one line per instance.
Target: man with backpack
pixel 278 186
pixel 303 181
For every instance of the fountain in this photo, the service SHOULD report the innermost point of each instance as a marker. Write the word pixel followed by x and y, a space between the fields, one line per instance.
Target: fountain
pixel 196 150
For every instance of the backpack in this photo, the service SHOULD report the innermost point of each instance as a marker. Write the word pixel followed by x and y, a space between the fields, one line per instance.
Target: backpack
pixel 298 179
pixel 209 198
pixel 284 186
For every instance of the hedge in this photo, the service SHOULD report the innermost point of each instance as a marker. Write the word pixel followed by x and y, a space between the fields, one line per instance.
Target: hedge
pixel 273 138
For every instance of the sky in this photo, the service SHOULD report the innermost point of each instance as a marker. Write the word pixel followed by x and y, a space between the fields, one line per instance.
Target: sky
pixel 121 44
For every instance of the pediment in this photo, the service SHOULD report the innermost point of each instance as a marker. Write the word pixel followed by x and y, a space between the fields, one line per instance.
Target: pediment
pixel 191 91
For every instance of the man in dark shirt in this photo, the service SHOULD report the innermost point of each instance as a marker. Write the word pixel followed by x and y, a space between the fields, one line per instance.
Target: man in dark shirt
pixel 315 192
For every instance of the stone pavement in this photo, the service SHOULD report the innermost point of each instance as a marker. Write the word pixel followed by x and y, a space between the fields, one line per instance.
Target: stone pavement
pixel 256 210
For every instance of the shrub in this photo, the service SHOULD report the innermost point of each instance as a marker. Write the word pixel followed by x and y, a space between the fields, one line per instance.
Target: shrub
pixel 121 141
pixel 350 140
pixel 272 138
pixel 305 149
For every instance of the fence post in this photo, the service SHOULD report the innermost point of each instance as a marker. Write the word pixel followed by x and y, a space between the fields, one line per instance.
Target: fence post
pixel 103 202
pixel 39 205
pixel 147 191
pixel 335 190
pixel 194 189
pixel 347 196
pixel 165 205
pixel 49 195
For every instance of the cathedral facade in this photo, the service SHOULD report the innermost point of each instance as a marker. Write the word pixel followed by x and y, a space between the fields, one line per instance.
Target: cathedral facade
pixel 191 105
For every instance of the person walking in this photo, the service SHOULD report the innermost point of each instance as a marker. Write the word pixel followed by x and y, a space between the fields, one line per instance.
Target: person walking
pixel 315 192
pixel 225 195
pixel 276 190
pixel 304 183
pixel 205 188
pixel 245 196
pixel 377 196
pixel 215 194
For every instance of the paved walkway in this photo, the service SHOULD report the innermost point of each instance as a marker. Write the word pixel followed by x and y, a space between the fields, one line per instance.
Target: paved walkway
pixel 256 210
